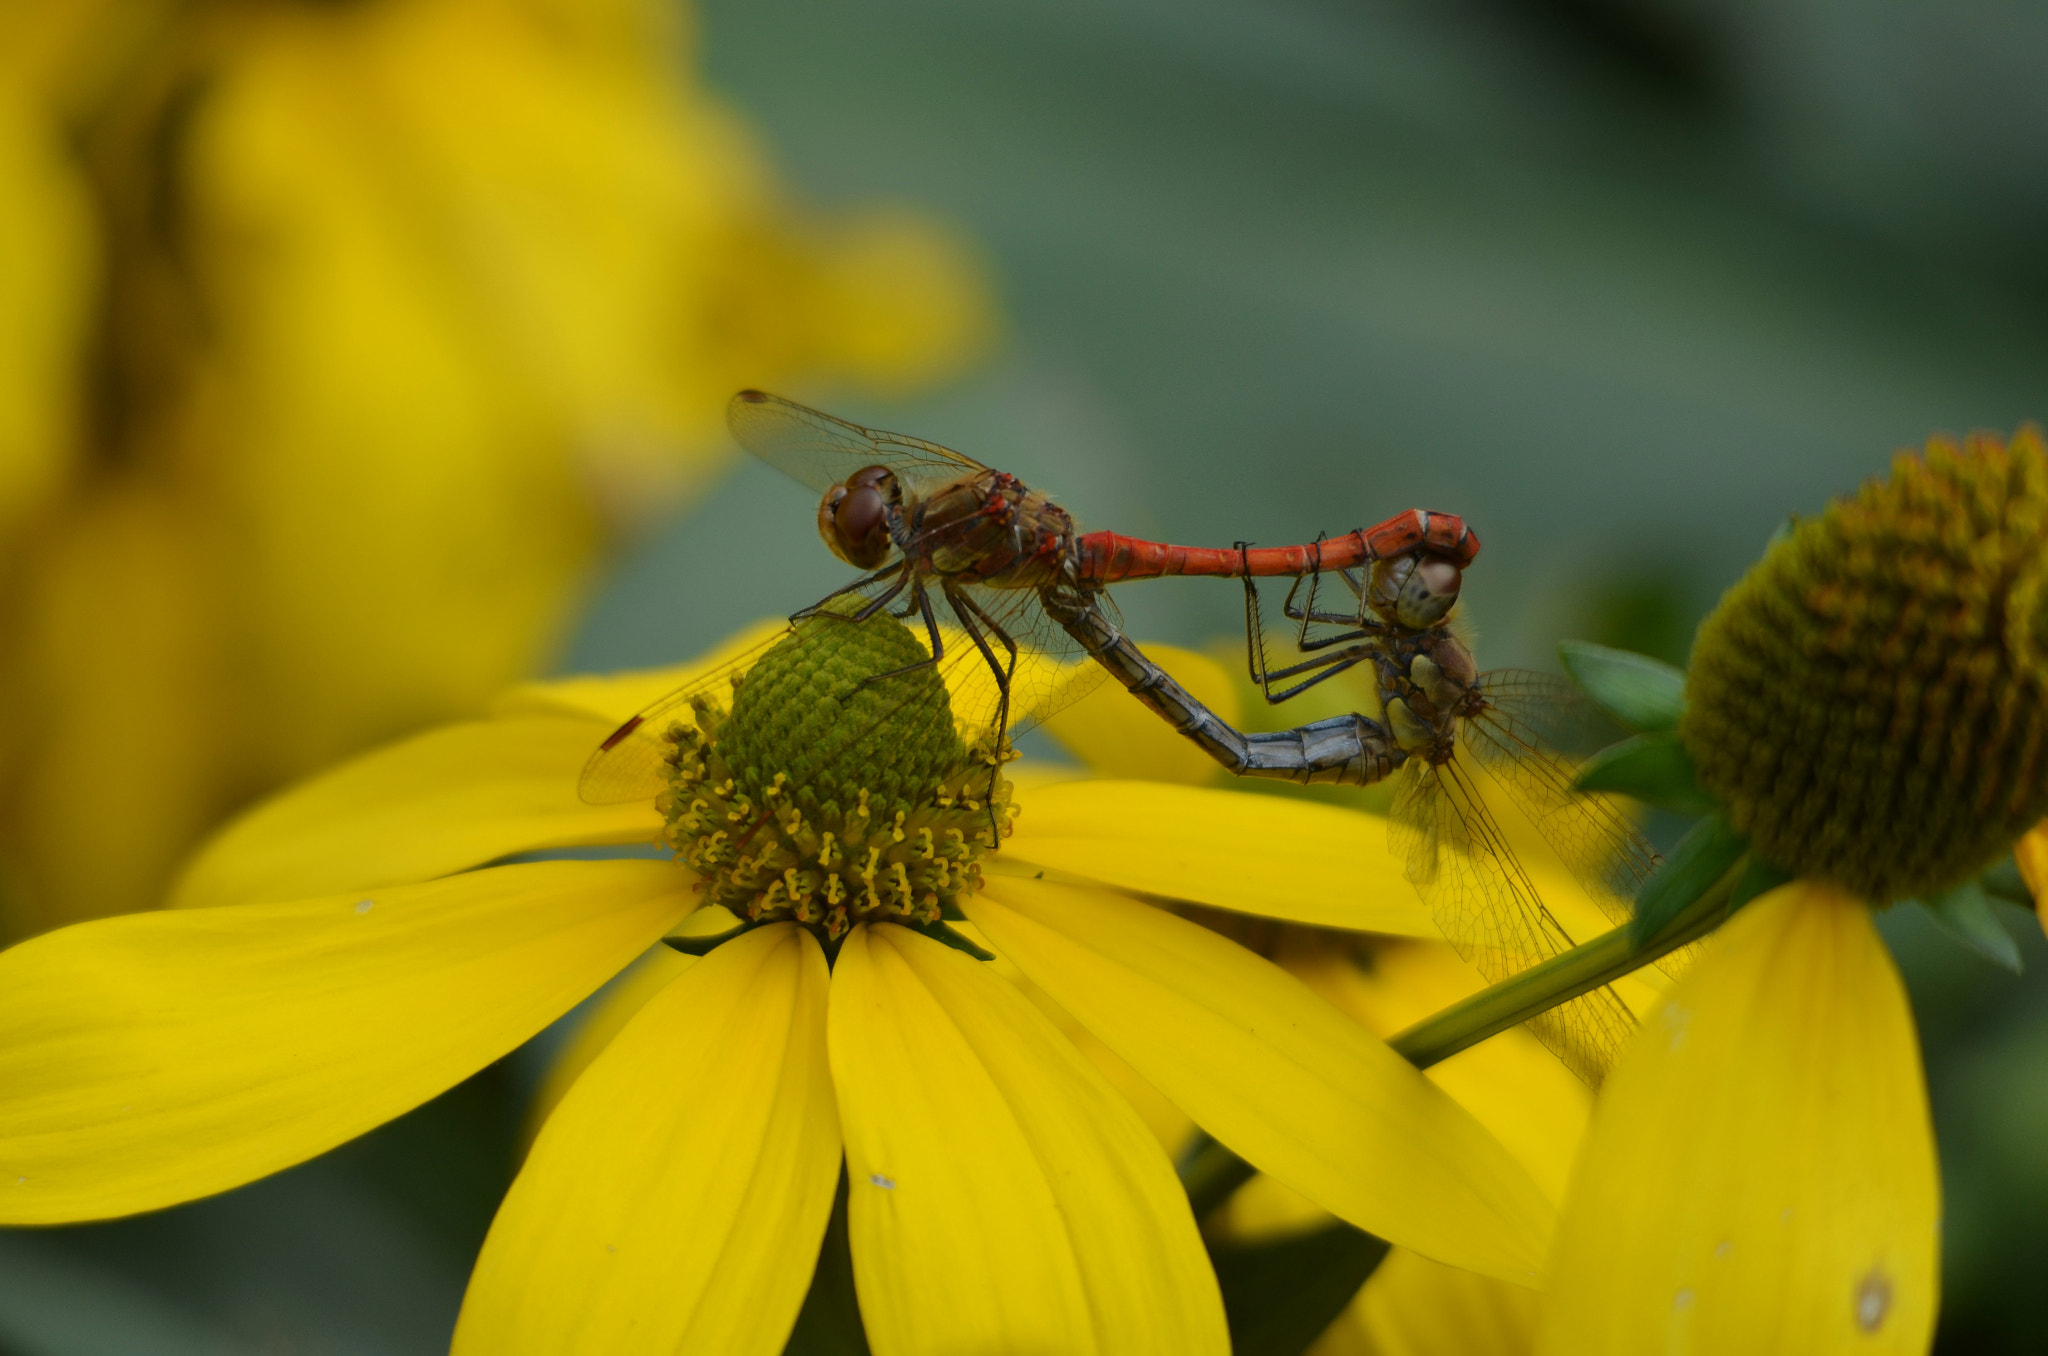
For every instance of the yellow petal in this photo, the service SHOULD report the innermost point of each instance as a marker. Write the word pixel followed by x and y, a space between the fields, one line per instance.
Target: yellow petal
pixel 157 1057
pixel 1283 858
pixel 675 1200
pixel 1116 737
pixel 1517 1089
pixel 2031 852
pixel 1415 1307
pixel 1760 1173
pixel 1004 1198
pixel 1275 1073
pixel 608 1015
pixel 611 697
pixel 440 802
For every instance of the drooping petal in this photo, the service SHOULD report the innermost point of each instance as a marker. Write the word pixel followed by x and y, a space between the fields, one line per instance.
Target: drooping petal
pixel 1004 1198
pixel 1239 850
pixel 674 1202
pixel 1760 1175
pixel 1116 739
pixel 1275 1073
pixel 157 1057
pixel 441 802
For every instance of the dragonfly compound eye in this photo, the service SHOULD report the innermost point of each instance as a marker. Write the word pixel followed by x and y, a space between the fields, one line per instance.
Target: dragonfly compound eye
pixel 853 518
pixel 1428 593
pixel 1412 592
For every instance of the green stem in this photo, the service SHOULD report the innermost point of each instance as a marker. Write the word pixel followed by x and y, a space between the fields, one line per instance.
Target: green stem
pixel 1560 979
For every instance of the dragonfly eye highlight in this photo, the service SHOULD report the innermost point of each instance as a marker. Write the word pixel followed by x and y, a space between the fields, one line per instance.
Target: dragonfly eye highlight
pixel 853 518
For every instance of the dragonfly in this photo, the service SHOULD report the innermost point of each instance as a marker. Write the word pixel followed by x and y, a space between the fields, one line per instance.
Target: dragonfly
pixel 1447 731
pixel 1009 596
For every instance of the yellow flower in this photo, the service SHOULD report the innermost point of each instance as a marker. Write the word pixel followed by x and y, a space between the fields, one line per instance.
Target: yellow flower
pixel 338 343
pixel 1869 707
pixel 1002 1193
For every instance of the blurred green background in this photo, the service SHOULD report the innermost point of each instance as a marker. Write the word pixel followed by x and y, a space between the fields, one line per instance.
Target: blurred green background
pixel 1623 282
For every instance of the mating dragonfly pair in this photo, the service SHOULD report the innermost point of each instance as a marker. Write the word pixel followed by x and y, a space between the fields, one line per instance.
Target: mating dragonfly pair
pixel 1023 594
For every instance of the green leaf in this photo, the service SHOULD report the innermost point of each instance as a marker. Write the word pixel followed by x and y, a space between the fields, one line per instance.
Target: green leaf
pixel 1280 1295
pixel 1642 693
pixel 1967 914
pixel 1701 858
pixel 1653 768
pixel 2003 879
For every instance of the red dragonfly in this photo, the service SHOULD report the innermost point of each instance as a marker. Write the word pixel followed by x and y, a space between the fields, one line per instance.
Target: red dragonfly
pixel 1008 595
pixel 1009 598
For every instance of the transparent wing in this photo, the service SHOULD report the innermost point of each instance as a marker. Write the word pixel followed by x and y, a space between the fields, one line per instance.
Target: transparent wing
pixel 631 762
pixel 1594 838
pixel 1548 704
pixel 1489 909
pixel 1514 739
pixel 821 451
pixel 1049 671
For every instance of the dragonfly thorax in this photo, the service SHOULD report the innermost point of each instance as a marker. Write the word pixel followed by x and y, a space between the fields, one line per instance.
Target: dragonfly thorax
pixel 1428 683
pixel 990 528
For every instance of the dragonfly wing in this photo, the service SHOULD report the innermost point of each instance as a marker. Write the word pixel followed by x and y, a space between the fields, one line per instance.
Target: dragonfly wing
pixel 1489 909
pixel 1051 670
pixel 820 451
pixel 632 762
pixel 1592 835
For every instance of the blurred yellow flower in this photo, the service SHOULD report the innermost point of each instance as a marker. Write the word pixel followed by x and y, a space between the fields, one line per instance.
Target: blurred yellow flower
pixel 1004 1195
pixel 336 343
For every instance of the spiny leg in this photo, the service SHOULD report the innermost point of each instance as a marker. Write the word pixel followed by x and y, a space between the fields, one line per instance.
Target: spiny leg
pixel 921 602
pixel 969 612
pixel 902 572
pixel 1262 671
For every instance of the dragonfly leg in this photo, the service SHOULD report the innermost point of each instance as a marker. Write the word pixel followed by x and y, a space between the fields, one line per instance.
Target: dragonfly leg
pixel 970 613
pixel 1262 671
pixel 973 619
pixel 1307 612
pixel 820 609
pixel 1330 665
pixel 920 601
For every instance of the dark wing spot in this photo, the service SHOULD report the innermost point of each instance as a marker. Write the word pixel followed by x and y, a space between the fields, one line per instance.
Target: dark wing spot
pixel 611 740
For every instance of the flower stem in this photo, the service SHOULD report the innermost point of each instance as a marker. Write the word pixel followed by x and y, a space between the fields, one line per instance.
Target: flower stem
pixel 1563 977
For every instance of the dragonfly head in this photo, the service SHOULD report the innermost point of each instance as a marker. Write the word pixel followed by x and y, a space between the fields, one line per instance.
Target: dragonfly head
pixel 1414 590
pixel 853 517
